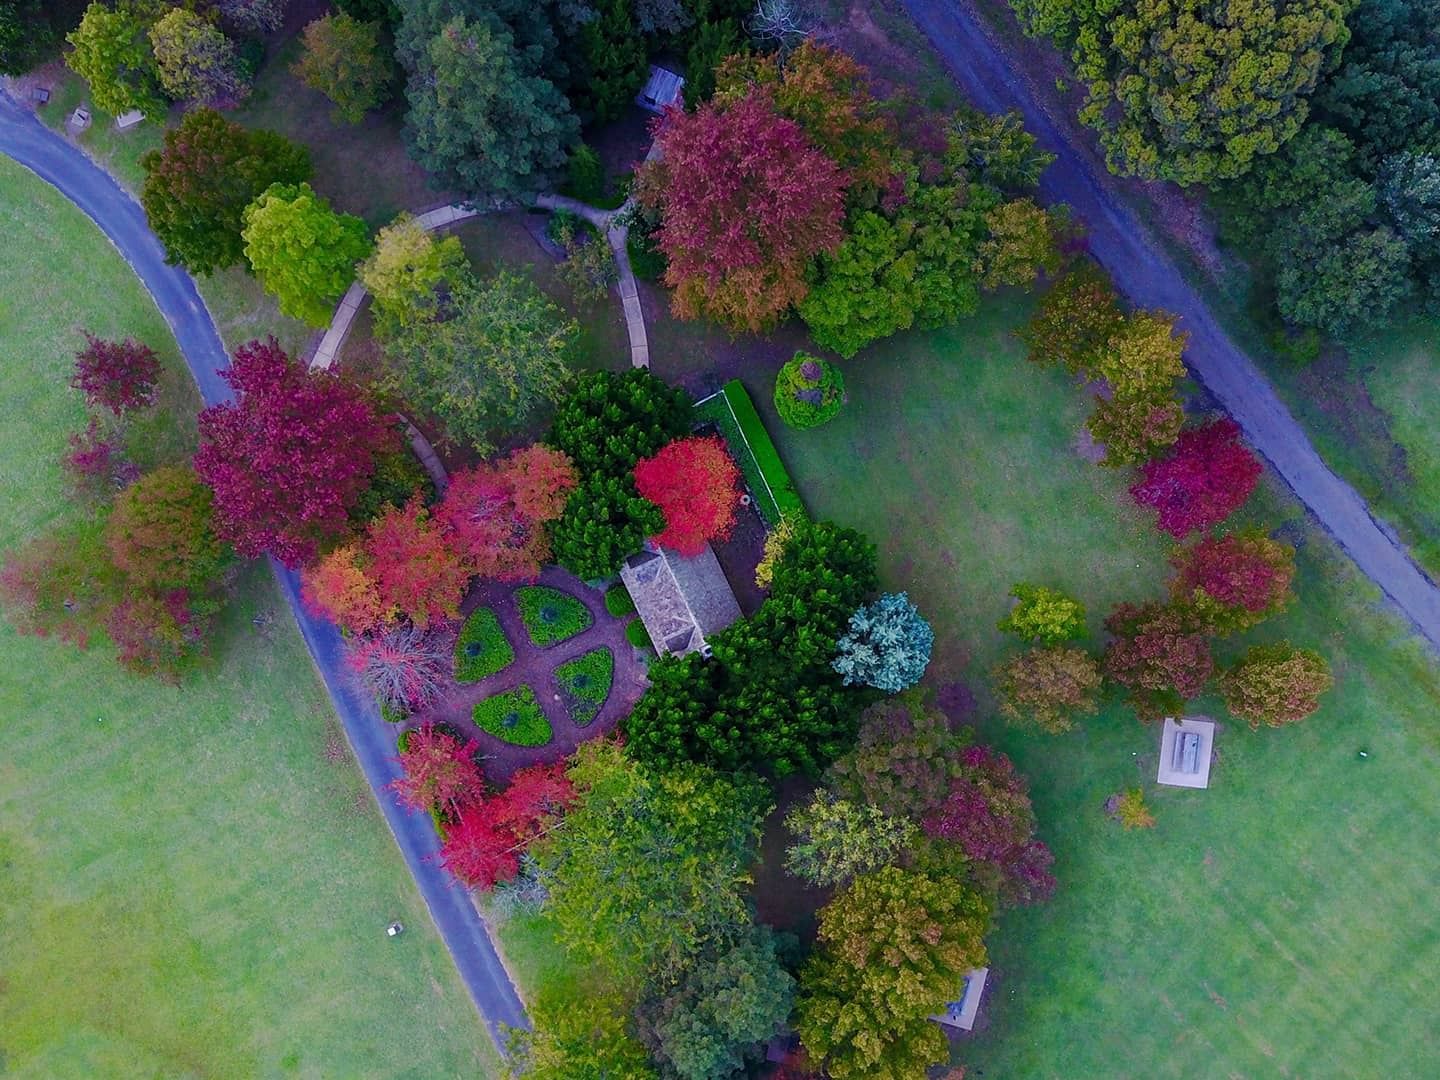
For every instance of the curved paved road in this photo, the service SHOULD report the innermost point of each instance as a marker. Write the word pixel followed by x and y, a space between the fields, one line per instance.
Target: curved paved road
pixel 1145 273
pixel 56 161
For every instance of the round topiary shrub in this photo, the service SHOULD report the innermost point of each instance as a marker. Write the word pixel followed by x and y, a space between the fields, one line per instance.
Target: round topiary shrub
pixel 808 391
pixel 618 602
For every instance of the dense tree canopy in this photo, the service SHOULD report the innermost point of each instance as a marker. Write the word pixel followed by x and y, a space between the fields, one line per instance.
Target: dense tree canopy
pixel 27 33
pixel 1160 654
pixel 733 996
pixel 1235 581
pixel 405 272
pixel 290 457
pixel 904 759
pixel 110 50
pixel 1341 220
pixel 500 352
pixel 886 645
pixel 198 186
pixel 483 116
pixel 303 252
pixel 116 375
pixel 893 948
pixel 161 533
pixel 343 60
pixel 768 698
pixel 496 513
pixel 836 839
pixel 1044 615
pixel 195 60
pixel 1188 90
pixel 1048 687
pixel 746 201
pixel 649 866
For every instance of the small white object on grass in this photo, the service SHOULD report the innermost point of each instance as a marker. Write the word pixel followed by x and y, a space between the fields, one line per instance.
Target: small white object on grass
pixel 395 929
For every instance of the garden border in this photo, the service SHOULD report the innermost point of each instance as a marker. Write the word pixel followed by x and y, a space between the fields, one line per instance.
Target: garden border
pixel 780 499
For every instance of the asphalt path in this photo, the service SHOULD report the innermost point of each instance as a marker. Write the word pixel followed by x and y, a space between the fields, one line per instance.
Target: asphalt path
pixel 120 218
pixel 1142 269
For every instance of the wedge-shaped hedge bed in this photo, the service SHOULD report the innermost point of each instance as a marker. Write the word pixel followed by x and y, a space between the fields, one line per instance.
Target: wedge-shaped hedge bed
pixel 514 717
pixel 481 649
pixel 551 616
pixel 585 684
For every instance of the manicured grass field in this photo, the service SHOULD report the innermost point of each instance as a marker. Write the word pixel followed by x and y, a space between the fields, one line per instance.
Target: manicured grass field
pixel 195 880
pixel 1249 934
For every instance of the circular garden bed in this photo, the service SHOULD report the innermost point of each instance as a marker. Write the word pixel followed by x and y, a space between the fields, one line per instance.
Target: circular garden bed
pixel 481 649
pixel 585 684
pixel 514 717
pixel 551 616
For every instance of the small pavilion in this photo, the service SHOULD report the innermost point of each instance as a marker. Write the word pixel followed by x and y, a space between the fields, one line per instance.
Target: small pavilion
pixel 682 600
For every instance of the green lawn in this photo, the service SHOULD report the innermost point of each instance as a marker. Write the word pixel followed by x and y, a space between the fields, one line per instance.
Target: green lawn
pixel 1245 935
pixel 195 880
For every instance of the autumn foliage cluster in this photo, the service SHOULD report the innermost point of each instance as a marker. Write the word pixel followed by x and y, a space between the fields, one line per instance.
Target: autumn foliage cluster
pixel 414 563
pixel 483 834
pixel 288 459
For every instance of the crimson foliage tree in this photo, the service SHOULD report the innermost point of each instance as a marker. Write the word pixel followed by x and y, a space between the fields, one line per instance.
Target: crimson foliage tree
pixel 116 375
pixel 484 846
pixel 1159 654
pixel 60 584
pixel 440 771
pixel 497 512
pixel 1235 581
pixel 288 460
pixel 988 815
pixel 746 201
pixel 696 485
pixel 1204 479
pixel 416 570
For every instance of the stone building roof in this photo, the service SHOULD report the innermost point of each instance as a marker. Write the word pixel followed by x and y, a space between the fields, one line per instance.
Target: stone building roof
pixel 681 600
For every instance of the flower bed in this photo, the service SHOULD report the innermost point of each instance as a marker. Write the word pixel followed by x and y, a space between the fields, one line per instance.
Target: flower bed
pixel 514 717
pixel 481 649
pixel 585 684
pixel 551 616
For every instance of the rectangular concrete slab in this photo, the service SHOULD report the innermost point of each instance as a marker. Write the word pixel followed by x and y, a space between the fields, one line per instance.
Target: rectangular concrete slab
pixel 1169 774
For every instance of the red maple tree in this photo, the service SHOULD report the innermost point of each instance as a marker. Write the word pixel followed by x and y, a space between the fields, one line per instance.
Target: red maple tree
pixel 496 513
pixel 746 201
pixel 116 375
pixel 289 458
pixel 989 816
pixel 417 571
pixel 1234 581
pixel 1159 654
pixel 696 485
pixel 1205 478
pixel 485 844
pixel 440 772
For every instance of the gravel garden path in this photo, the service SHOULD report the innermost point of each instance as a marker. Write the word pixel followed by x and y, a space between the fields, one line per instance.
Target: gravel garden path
pixel 534 666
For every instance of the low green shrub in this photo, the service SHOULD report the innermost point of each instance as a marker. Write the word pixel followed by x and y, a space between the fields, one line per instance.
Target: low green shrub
pixel 481 649
pixel 585 175
pixel 514 717
pixel 585 684
pixel 637 635
pixel 809 391
pixel 551 616
pixel 392 714
pixel 646 260
pixel 618 602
